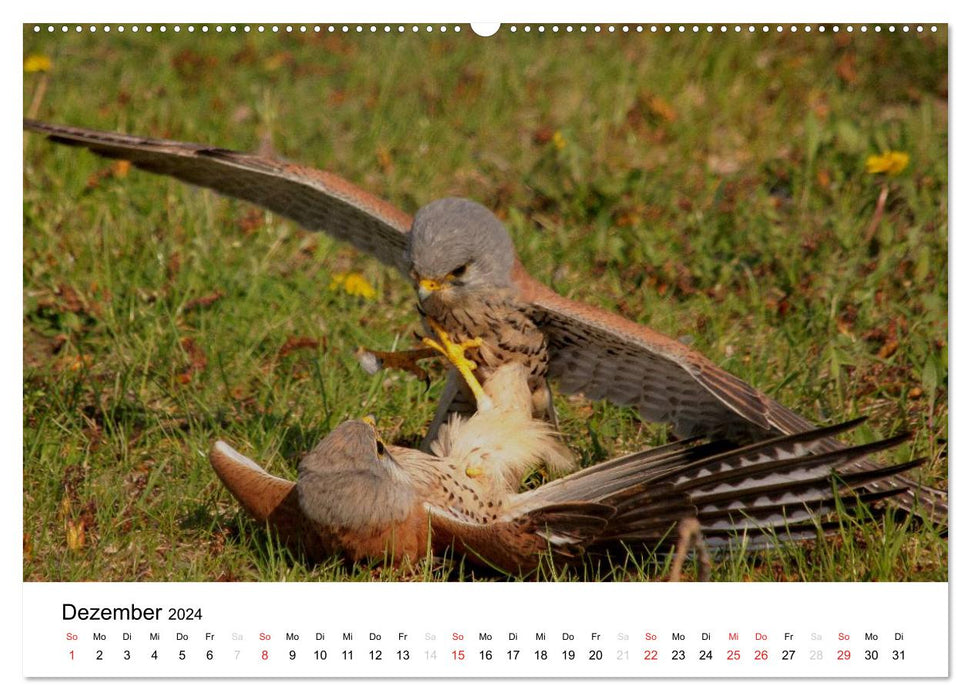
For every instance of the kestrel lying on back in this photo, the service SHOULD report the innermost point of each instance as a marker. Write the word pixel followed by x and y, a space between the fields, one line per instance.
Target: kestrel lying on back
pixel 469 280
pixel 356 496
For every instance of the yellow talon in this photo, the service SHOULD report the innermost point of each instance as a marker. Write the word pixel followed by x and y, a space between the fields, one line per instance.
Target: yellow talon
pixel 474 472
pixel 455 353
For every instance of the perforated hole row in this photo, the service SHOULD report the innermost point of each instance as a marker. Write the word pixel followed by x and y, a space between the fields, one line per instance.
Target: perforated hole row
pixel 444 29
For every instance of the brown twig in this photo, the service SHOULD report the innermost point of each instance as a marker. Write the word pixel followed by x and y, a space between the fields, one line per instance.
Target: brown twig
pixel 39 92
pixel 878 212
pixel 407 360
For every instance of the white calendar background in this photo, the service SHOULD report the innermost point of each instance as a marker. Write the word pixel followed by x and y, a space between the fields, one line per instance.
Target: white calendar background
pixel 344 630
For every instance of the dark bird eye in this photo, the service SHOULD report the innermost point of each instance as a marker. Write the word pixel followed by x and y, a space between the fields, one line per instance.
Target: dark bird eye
pixel 459 271
pixel 381 449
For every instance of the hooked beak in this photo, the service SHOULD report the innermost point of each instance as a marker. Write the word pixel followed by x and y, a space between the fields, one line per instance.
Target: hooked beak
pixel 426 287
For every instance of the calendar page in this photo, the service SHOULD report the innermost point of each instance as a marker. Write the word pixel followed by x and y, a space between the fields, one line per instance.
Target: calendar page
pixel 520 350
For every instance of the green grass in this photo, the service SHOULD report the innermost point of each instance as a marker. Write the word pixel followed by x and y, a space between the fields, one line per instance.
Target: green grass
pixel 713 187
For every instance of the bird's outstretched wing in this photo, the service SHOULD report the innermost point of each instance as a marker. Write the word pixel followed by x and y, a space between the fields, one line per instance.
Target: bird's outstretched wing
pixel 317 200
pixel 267 498
pixel 605 356
pixel 754 496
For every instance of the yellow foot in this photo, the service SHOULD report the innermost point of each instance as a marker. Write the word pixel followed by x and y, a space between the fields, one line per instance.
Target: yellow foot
pixel 455 353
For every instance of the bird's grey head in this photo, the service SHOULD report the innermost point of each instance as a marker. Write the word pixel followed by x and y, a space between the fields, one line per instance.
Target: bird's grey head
pixel 350 480
pixel 457 245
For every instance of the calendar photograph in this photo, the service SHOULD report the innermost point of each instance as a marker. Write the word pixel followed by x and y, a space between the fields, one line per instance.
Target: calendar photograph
pixel 578 303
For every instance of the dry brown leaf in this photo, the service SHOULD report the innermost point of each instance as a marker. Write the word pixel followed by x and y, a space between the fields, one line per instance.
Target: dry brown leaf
pixel 203 302
pixel 297 342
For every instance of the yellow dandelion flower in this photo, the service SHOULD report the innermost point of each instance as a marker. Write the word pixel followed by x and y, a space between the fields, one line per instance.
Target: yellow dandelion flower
pixel 889 162
pixel 559 141
pixel 37 63
pixel 354 284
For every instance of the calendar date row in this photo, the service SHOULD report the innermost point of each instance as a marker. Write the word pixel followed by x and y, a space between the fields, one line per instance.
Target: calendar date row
pixel 486 655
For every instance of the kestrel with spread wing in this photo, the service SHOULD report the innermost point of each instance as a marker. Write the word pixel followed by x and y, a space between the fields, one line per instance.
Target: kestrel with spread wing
pixel 470 283
pixel 356 496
